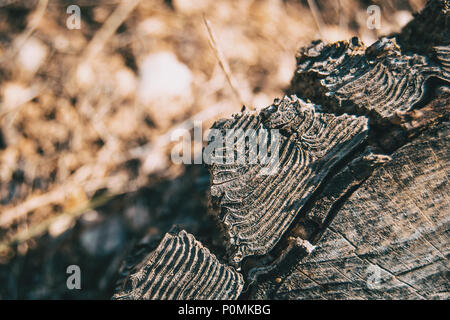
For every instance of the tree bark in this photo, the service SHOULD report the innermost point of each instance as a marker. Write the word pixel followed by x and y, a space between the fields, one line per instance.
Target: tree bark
pixel 358 207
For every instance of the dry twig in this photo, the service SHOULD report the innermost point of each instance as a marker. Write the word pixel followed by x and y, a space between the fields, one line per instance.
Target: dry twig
pixel 222 62
pixel 316 15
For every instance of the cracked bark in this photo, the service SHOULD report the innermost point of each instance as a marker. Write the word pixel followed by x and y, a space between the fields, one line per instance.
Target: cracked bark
pixel 359 209
pixel 389 240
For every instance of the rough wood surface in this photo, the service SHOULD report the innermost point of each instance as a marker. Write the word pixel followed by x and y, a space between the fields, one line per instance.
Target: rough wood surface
pixel 442 55
pixel 390 239
pixel 181 268
pixel 358 207
pixel 337 189
pixel 256 209
pixel 378 81
pixel 428 29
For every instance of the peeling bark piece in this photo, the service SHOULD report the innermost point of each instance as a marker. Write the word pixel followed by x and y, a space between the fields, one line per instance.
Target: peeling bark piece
pixel 181 268
pixel 256 209
pixel 319 60
pixel 428 29
pixel 134 258
pixel 390 239
pixel 378 81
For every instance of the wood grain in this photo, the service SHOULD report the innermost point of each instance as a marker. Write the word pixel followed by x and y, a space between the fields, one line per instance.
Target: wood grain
pixel 379 81
pixel 254 209
pixel 181 268
pixel 390 240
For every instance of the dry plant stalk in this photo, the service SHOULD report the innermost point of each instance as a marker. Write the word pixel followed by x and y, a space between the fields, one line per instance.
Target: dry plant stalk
pixel 222 62
pixel 108 29
pixel 316 15
pixel 43 226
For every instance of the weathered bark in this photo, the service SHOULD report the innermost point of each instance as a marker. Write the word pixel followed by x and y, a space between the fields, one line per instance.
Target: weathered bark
pixel 390 238
pixel 430 28
pixel 378 81
pixel 256 208
pixel 181 268
pixel 358 206
pixel 442 55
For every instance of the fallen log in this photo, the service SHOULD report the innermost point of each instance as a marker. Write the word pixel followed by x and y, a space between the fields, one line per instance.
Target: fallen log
pixel 356 206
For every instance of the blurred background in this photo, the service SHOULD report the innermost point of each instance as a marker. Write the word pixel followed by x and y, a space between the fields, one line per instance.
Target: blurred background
pixel 89 98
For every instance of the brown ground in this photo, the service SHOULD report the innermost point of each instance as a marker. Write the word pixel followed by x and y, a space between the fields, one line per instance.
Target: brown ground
pixel 85 166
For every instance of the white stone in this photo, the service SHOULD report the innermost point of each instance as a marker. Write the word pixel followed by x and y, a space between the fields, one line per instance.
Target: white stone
pixel 31 55
pixel 162 76
pixel 403 17
pixel 14 94
pixel 85 75
pixel 61 225
pixel 126 82
pixel 151 26
pixel 189 6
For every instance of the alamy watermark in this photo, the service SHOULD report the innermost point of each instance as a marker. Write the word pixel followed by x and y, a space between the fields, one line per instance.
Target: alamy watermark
pixel 74 20
pixel 74 280
pixel 228 147
pixel 374 19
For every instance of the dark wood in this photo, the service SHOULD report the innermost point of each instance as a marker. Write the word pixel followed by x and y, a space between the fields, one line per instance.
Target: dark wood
pixel 358 207
pixel 379 81
pixel 181 268
pixel 390 238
